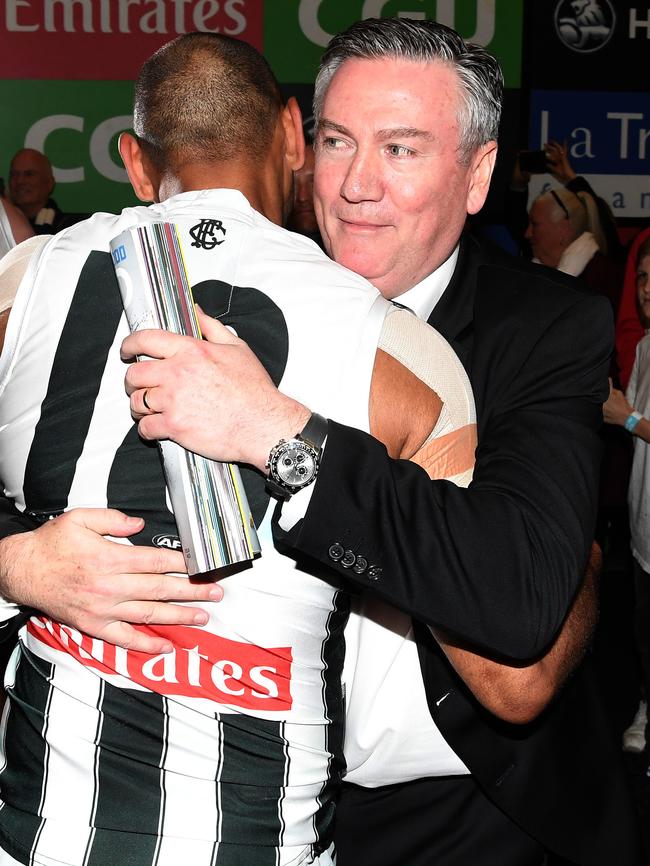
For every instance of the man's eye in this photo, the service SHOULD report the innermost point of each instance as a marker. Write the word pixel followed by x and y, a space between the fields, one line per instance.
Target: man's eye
pixel 399 150
pixel 332 143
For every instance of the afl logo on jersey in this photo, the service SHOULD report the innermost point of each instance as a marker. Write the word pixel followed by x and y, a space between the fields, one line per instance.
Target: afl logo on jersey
pixel 170 542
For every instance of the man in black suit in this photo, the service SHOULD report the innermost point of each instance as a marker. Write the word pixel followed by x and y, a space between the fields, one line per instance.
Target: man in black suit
pixel 495 566
pixel 407 119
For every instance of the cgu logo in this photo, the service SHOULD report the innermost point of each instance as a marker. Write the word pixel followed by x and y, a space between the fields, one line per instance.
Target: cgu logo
pixel 99 145
pixel 445 14
pixel 201 665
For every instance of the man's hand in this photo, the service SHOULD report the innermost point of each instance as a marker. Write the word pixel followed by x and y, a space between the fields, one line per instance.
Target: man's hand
pixel 212 396
pixel 67 570
pixel 558 161
pixel 616 410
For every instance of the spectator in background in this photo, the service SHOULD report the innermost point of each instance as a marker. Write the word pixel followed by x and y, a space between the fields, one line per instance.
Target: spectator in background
pixel 629 328
pixel 632 412
pixel 302 218
pixel 14 227
pixel 31 183
pixel 565 233
pixel 558 166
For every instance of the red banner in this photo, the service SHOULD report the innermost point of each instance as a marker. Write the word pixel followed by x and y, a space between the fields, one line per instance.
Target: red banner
pixel 202 665
pixel 108 40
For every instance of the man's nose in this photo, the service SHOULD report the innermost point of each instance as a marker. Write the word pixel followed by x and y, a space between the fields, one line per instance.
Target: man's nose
pixel 528 234
pixel 362 181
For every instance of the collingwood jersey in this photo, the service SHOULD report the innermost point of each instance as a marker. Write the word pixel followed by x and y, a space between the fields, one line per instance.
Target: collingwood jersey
pixel 225 751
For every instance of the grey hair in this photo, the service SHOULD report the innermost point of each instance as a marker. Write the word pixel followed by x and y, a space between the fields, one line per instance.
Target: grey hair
pixel 581 211
pixel 479 74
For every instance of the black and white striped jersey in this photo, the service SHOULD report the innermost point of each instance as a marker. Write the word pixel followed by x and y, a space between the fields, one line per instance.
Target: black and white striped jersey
pixel 227 750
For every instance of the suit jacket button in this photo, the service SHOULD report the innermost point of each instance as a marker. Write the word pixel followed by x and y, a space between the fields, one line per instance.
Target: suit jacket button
pixel 349 559
pixel 374 572
pixel 360 565
pixel 336 552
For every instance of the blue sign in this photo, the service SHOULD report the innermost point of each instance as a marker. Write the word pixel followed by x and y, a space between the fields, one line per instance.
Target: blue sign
pixel 607 133
pixel 608 139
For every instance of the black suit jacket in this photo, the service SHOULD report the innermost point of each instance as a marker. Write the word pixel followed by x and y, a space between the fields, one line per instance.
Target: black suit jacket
pixel 499 563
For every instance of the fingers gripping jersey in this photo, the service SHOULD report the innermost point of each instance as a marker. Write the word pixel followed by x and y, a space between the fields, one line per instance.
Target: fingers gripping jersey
pixel 225 751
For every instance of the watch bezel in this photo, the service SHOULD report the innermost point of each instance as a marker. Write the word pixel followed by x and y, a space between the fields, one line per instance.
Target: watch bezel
pixel 284 447
pixel 310 441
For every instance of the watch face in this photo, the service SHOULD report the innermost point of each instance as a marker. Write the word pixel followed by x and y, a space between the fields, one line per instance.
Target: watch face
pixel 295 464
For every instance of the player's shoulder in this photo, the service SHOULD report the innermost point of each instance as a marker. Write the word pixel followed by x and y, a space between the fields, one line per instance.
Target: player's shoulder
pixel 97 231
pixel 297 260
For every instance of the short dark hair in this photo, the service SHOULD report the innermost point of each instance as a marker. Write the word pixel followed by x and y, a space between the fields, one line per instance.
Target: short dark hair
pixel 424 41
pixel 205 97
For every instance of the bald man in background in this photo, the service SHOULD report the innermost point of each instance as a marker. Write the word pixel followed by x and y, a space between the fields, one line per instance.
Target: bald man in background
pixel 31 184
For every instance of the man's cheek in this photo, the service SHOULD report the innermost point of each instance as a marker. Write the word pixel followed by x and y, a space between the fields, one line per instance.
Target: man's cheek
pixel 321 219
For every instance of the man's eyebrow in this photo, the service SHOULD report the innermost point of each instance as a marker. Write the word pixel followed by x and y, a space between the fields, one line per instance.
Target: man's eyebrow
pixel 324 123
pixel 382 134
pixel 405 132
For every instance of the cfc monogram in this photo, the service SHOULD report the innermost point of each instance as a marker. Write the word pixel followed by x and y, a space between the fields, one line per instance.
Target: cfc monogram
pixel 205 234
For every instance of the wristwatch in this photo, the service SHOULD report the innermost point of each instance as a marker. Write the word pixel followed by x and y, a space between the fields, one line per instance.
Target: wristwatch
pixel 293 463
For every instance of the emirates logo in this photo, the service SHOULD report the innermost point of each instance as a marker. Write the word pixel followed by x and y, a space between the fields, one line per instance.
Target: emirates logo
pixel 585 25
pixel 202 665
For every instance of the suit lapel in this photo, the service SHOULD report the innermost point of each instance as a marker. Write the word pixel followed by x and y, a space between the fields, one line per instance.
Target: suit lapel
pixel 454 313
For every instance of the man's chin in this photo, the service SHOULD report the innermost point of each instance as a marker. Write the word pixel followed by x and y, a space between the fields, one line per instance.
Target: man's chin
pixel 362 262
pixel 23 202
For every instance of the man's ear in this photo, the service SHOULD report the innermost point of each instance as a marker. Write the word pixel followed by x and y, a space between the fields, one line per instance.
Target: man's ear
pixel 480 176
pixel 137 169
pixel 294 137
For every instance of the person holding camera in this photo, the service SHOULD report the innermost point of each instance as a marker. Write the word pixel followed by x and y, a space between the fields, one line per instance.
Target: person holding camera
pixel 554 160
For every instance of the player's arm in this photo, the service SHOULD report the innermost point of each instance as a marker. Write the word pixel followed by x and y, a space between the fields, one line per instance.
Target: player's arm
pixel 403 411
pixel 499 563
pixel 518 693
pixel 223 371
